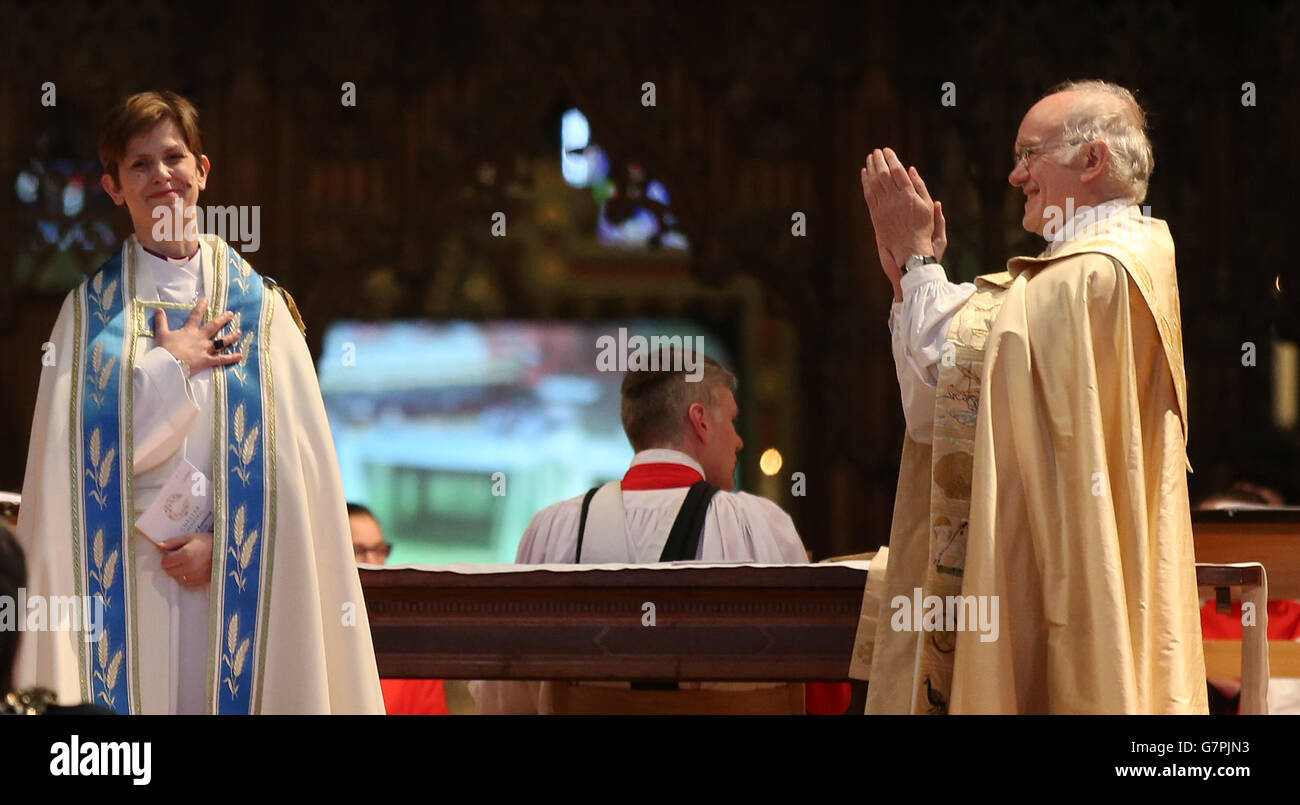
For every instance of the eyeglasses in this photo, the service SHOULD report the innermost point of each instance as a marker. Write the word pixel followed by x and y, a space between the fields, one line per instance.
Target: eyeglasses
pixel 1027 153
pixel 361 552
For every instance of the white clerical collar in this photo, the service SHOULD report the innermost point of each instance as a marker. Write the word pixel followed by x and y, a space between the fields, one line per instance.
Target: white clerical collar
pixel 661 455
pixel 1083 220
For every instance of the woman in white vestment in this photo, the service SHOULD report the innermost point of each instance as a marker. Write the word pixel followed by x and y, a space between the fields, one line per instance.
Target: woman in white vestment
pixel 222 557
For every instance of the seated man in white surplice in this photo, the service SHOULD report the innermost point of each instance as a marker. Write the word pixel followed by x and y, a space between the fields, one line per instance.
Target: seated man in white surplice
pixel 674 503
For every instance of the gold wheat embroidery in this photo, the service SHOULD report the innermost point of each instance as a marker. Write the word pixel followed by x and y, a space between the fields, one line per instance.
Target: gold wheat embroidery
pixel 103 297
pixel 250 447
pixel 108 669
pixel 97 553
pixel 96 364
pixel 245 444
pixel 242 550
pixel 101 381
pixel 240 370
pixel 100 372
pixel 105 571
pixel 106 301
pixel 235 656
pixel 106 469
pixel 244 270
pixel 110 571
pixel 101 470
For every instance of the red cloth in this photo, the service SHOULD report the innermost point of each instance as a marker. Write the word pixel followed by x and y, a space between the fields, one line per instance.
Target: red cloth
pixel 660 476
pixel 1283 621
pixel 1283 624
pixel 414 697
pixel 827 698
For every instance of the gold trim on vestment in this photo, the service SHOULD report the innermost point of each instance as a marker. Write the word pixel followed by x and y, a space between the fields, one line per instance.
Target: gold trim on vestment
pixel 216 302
pixel 269 470
pixel 140 306
pixel 956 407
pixel 74 461
pixel 293 308
pixel 126 415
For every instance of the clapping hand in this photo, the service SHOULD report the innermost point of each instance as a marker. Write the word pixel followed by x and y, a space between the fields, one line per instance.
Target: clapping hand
pixel 906 220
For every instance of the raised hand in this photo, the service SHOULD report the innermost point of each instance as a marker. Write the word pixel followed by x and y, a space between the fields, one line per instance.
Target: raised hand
pixel 903 219
pixel 883 194
pixel 939 238
pixel 893 270
pixel 195 342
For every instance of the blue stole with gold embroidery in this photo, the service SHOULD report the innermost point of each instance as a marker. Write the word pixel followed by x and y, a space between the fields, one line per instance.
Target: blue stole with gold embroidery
pixel 243 485
pixel 97 472
pixel 240 558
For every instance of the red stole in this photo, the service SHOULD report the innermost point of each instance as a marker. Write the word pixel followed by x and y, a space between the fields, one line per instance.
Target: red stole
pixel 659 476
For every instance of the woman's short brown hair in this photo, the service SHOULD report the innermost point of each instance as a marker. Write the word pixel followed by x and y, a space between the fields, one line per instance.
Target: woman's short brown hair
pixel 139 113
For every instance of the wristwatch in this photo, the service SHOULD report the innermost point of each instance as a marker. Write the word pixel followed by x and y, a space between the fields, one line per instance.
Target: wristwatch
pixel 918 260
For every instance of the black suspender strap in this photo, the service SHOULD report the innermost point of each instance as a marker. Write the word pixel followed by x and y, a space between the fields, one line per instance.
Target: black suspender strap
pixel 582 523
pixel 683 541
pixel 684 538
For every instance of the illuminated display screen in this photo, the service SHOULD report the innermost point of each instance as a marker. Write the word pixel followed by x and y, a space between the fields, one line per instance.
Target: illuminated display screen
pixel 456 433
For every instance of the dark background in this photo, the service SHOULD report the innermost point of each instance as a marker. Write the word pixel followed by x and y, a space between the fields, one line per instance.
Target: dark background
pixel 763 109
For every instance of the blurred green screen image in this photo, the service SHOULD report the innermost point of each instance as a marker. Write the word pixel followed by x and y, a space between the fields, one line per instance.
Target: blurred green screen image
pixel 456 433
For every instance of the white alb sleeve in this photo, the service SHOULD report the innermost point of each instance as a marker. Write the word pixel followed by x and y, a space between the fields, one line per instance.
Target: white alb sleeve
pixel 918 327
pixel 164 408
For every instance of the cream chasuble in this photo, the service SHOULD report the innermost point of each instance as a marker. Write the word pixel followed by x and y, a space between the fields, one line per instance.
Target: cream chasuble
pixel 1056 486
pixel 285 629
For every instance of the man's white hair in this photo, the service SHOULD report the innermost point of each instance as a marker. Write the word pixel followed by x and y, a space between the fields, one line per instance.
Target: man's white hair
pixel 1110 113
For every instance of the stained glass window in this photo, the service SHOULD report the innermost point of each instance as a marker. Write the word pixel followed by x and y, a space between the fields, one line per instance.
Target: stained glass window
pixel 63 222
pixel 635 208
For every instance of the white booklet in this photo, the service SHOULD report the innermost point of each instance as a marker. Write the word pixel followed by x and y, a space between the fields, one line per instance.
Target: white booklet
pixel 183 505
